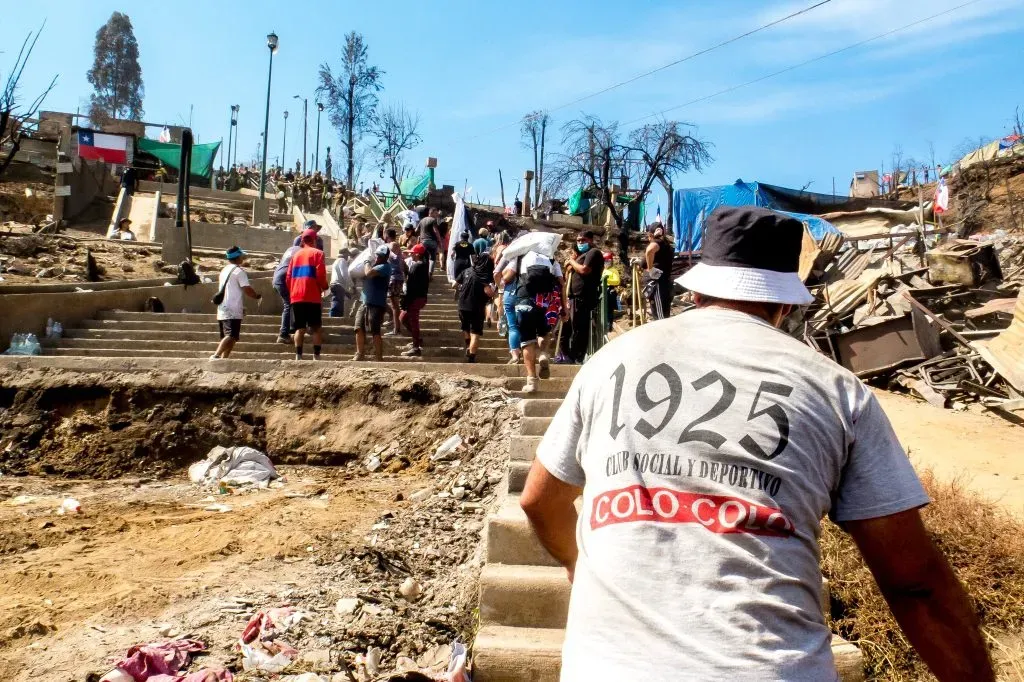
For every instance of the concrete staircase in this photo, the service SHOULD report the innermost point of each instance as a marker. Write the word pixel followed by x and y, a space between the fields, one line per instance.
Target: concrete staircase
pixel 524 593
pixel 118 333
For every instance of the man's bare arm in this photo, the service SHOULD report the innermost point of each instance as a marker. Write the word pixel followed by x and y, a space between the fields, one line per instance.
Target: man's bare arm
pixel 925 596
pixel 549 504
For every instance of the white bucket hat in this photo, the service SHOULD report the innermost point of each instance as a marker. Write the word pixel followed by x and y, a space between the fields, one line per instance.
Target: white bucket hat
pixel 750 254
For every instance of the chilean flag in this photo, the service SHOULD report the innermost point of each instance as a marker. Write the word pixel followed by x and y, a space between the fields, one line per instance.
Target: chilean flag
pixel 103 147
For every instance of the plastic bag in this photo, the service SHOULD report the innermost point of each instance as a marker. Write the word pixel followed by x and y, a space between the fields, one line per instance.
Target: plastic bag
pixel 447 448
pixel 355 268
pixel 24 344
pixel 544 243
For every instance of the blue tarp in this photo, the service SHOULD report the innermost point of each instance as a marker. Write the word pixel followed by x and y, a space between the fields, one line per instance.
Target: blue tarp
pixel 692 207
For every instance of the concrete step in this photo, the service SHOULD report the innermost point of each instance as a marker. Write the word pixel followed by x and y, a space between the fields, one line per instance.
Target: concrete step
pixel 267 334
pixel 441 323
pixel 165 363
pixel 540 408
pixel 517 474
pixel 523 448
pixel 524 596
pixel 559 383
pixel 271 346
pixel 519 654
pixel 509 654
pixel 534 426
pixel 510 539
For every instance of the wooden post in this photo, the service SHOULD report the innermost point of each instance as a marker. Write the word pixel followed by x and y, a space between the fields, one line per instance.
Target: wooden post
pixel 501 182
pixel 61 179
pixel 528 176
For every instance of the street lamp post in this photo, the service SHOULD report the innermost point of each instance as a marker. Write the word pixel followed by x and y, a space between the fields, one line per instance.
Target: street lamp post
pixel 272 44
pixel 284 142
pixel 305 123
pixel 234 155
pixel 319 110
pixel 231 132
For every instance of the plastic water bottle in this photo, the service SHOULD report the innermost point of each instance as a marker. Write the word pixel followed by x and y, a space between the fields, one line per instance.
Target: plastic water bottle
pixel 58 330
pixel 49 327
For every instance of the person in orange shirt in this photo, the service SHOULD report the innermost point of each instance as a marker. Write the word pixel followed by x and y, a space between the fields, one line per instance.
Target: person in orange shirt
pixel 307 280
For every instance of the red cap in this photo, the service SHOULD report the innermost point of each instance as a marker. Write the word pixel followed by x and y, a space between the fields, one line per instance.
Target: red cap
pixel 419 250
pixel 308 237
pixel 608 255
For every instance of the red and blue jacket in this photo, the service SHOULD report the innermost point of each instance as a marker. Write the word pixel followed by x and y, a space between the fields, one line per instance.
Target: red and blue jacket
pixel 307 276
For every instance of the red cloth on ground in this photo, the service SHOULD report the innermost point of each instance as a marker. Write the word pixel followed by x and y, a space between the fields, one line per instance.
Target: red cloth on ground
pixel 204 675
pixel 145 661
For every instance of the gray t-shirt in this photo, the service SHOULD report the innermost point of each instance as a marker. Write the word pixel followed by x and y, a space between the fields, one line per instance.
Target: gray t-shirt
pixel 709 446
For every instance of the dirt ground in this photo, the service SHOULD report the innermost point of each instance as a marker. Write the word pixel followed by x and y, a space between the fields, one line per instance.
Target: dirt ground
pixel 150 551
pixel 78 590
pixel 977 448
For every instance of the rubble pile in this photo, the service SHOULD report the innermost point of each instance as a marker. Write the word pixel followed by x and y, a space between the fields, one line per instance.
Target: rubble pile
pixel 400 602
pixel 936 322
pixel 27 258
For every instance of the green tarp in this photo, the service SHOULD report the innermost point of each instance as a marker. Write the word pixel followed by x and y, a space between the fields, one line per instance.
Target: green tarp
pixel 170 154
pixel 415 188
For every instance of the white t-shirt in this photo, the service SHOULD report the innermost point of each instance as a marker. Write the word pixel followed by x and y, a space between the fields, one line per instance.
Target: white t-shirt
pixel 232 308
pixel 709 446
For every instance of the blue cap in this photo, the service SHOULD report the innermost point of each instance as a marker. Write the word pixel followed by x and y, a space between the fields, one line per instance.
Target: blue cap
pixel 383 250
pixel 233 253
pixel 310 224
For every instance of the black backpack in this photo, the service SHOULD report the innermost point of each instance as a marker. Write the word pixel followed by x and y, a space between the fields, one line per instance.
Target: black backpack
pixel 187 274
pixel 538 279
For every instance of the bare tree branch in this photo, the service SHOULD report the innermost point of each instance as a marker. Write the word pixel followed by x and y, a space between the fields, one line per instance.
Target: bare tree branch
pixel 13 116
pixel 396 131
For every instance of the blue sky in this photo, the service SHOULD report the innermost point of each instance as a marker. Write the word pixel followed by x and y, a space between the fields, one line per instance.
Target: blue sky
pixel 472 69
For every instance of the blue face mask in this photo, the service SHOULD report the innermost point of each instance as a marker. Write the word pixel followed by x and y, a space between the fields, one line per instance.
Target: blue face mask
pixel 583 248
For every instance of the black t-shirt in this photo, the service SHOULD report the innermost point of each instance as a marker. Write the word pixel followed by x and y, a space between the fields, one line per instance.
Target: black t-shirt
pixel 588 285
pixel 426 227
pixel 418 281
pixel 472 297
pixel 462 254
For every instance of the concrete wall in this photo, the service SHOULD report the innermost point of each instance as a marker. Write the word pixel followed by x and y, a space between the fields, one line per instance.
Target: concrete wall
pixel 28 312
pixel 219 236
pixel 91 179
pixel 170 190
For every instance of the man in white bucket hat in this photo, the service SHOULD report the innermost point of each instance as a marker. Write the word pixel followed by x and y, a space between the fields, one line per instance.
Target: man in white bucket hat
pixel 707 448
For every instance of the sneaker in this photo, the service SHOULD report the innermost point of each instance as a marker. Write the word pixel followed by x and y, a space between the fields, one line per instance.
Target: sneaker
pixel 391 333
pixel 562 360
pixel 409 346
pixel 298 357
pixel 531 385
pixel 216 357
pixel 514 360
pixel 544 365
pixel 285 340
pixel 470 358
pixel 359 357
pixel 413 353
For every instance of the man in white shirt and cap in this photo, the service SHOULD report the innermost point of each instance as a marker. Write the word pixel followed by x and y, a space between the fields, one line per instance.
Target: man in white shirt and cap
pixel 707 448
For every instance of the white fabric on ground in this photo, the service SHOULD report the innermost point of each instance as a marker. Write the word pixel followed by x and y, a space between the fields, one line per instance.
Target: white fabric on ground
pixel 235 466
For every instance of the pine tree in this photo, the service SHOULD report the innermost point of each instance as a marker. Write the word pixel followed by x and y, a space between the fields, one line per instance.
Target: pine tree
pixel 115 74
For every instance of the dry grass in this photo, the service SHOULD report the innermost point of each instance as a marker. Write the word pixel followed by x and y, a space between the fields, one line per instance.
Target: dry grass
pixel 986 548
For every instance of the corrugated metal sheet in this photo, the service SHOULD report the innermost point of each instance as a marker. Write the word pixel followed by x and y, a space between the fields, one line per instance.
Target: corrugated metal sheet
pixel 1006 351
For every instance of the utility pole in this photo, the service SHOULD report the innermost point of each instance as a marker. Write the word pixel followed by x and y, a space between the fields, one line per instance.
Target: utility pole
pixel 284 141
pixel 305 136
pixel 319 110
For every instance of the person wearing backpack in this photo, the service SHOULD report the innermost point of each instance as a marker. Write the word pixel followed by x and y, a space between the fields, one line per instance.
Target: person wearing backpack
pixel 586 267
pixel 234 285
pixel 475 292
pixel 529 276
